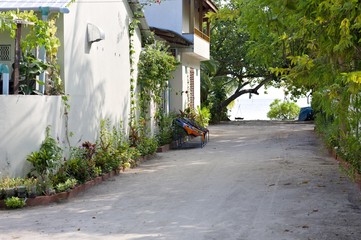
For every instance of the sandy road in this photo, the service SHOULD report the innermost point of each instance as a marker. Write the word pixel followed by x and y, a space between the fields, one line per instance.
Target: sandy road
pixel 253 181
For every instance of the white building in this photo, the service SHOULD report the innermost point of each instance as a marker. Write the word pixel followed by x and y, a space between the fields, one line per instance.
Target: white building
pixel 95 68
pixel 183 24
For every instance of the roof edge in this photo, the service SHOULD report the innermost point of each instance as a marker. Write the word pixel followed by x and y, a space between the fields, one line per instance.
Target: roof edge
pixel 36 9
pixel 185 42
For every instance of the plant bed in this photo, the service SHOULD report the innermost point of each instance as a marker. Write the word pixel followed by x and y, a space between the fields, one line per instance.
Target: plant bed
pixel 61 196
pixel 71 193
pixel 356 177
pixel 41 200
pixel 163 148
pixel 108 175
pixel 98 180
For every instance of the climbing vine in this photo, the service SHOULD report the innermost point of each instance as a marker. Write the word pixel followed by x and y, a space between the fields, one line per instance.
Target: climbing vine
pixel 132 27
pixel 41 33
pixel 155 67
pixel 154 70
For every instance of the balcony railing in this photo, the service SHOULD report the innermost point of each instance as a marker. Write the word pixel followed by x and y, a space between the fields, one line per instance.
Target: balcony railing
pixel 201 34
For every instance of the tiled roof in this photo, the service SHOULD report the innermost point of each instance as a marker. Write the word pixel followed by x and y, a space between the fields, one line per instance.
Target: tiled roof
pixel 54 5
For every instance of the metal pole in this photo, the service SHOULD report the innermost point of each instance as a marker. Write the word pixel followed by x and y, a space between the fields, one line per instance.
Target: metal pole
pixel 42 77
pixel 17 58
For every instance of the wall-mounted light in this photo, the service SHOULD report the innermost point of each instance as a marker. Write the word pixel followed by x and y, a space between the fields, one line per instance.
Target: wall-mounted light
pixel 95 34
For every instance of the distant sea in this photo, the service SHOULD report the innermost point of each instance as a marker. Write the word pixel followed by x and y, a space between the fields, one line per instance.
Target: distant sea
pixel 255 109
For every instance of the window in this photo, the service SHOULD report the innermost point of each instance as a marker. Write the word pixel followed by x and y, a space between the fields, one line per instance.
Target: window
pixel 5 52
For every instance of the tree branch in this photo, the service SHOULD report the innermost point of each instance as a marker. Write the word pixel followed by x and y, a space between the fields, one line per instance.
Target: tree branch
pixel 238 93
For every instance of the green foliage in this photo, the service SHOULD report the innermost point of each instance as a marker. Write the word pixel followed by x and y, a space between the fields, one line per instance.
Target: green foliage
pixel 312 46
pixel 218 96
pixel 30 185
pixel 107 155
pixel 283 110
pixel 147 146
pixel 67 185
pixel 203 116
pixel 155 67
pixel 80 166
pixel 30 69
pixel 242 51
pixel 48 159
pixel 132 117
pixel 165 128
pixel 14 202
pixel 8 182
pixel 214 90
pixel 41 33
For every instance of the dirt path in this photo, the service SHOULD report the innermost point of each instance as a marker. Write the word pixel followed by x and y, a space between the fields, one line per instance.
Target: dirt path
pixel 253 181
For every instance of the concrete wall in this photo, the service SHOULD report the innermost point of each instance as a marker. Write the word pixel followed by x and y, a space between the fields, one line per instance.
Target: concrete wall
pixel 98 74
pixel 96 77
pixel 23 120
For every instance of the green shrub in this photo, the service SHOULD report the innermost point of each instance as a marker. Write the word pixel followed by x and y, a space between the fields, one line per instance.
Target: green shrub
pixel 8 182
pixel 79 166
pixel 68 184
pixel 147 146
pixel 48 159
pixel 165 128
pixel 14 202
pixel 283 110
pixel 130 156
pixel 203 116
pixel 107 156
pixel 60 176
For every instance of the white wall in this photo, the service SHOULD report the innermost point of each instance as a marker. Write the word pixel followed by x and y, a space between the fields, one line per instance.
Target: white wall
pixel 186 17
pixel 97 75
pixel 176 88
pixel 178 95
pixel 23 120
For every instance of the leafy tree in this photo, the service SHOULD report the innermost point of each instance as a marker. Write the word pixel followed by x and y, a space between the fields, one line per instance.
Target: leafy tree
pixel 214 90
pixel 243 59
pixel 283 110
pixel 311 46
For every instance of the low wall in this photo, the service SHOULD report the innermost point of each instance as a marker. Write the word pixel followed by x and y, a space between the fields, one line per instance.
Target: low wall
pixel 23 120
